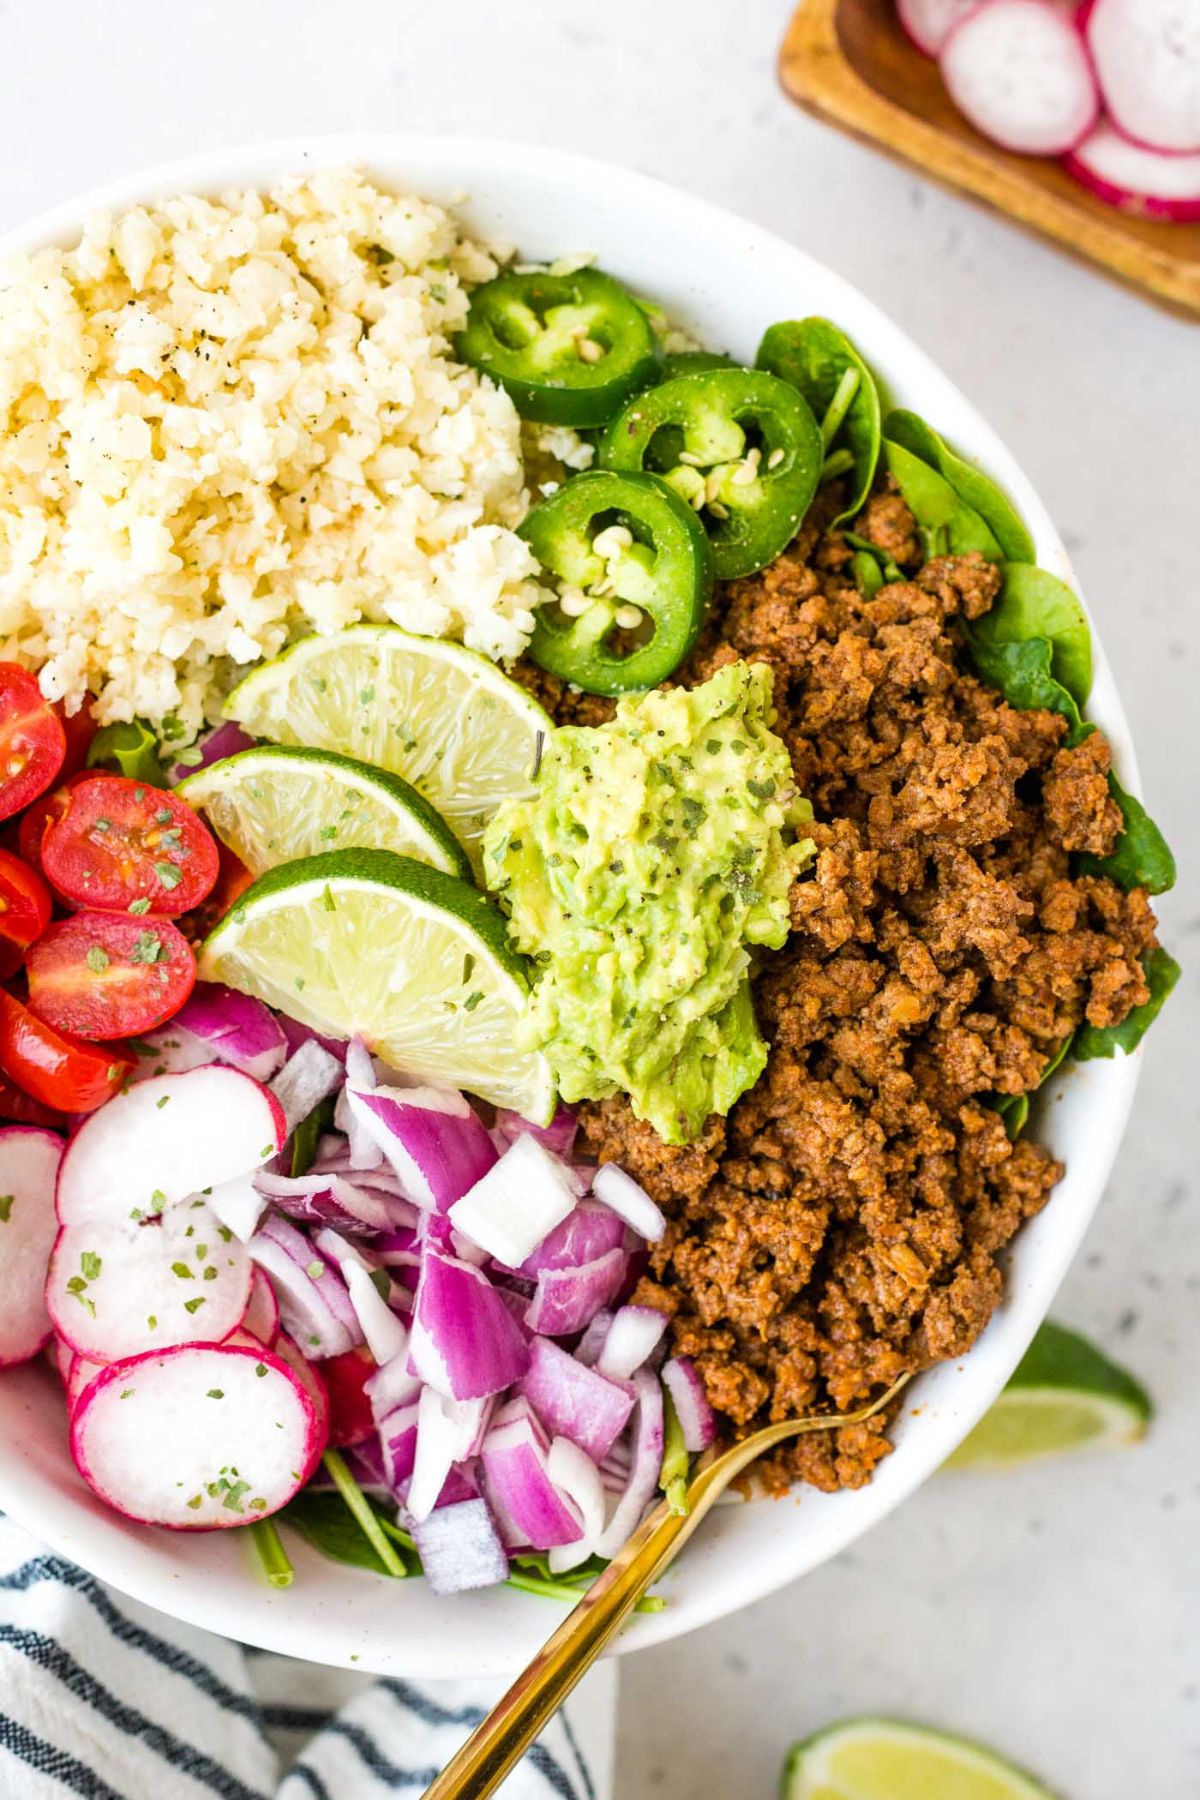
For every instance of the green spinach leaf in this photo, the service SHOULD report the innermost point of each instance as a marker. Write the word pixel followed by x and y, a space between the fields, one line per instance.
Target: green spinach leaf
pixel 948 525
pixel 888 568
pixel 1023 673
pixel 822 363
pixel 306 1136
pixel 1141 857
pixel 1162 972
pixel 322 1518
pixel 971 485
pixel 132 749
pixel 1035 604
pixel 1014 1110
pixel 868 575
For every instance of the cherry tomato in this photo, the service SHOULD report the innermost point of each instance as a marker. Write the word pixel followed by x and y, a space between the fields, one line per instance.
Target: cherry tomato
pixel 79 729
pixel 32 741
pixel 17 1108
pixel 351 1420
pixel 60 1071
pixel 25 908
pixel 37 819
pixel 105 975
pixel 124 846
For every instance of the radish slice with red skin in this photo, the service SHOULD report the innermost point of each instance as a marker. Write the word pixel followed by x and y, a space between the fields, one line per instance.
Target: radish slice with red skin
pixel 127 1288
pixel 1019 71
pixel 29 1163
pixel 1147 57
pixel 83 1373
pixel 1142 182
pixel 309 1377
pixel 156 1144
pixel 62 1356
pixel 261 1317
pixel 158 1437
pixel 929 22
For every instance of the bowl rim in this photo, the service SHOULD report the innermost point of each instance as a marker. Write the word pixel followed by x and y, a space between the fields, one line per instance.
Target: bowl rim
pixel 46 1513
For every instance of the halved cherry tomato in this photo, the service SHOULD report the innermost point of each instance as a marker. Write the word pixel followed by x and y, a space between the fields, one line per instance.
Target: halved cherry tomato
pixel 105 975
pixel 60 1071
pixel 123 846
pixel 351 1420
pixel 32 741
pixel 37 820
pixel 17 1108
pixel 25 908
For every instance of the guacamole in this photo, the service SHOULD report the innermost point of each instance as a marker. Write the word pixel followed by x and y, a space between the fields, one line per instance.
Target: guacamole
pixel 654 858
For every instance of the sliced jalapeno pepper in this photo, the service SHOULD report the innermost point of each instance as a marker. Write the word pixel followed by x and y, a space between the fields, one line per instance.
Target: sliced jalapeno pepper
pixel 636 573
pixel 739 445
pixel 568 348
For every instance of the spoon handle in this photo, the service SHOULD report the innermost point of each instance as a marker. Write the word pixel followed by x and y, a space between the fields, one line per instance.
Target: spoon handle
pixel 495 1746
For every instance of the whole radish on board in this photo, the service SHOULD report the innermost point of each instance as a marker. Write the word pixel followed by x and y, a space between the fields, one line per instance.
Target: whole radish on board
pixel 1110 86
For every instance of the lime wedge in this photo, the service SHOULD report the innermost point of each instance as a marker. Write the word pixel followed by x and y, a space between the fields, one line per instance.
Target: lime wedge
pixel 442 717
pixel 882 1759
pixel 272 805
pixel 414 961
pixel 1063 1395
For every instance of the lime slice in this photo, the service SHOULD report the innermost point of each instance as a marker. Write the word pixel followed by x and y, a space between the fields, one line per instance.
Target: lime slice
pixel 882 1759
pixel 272 805
pixel 442 717
pixel 1063 1395
pixel 414 961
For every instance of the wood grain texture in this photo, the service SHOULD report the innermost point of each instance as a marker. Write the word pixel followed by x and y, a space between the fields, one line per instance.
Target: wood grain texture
pixel 850 63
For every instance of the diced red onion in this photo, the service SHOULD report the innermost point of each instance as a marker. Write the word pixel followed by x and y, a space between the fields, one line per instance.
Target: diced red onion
pixel 575 1402
pixel 392 1385
pixel 364 1152
pixel 397 1249
pixel 324 1199
pixel 568 1299
pixel 238 1206
pixel 313 1302
pixel 308 1076
pixel 460 1548
pixel 212 746
pixel 166 1051
pixel 697 1421
pixel 366 1463
pixel 460 1484
pixel 465 1342
pixel 517 1203
pixel 591 1343
pixel 558 1136
pixel 385 1335
pixel 298 1035
pixel 442 1427
pixel 529 1509
pixel 647 1465
pixel 237 1028
pixel 629 1201
pixel 633 1337
pixel 398 1436
pixel 438 1147
pixel 576 1475
pixel 587 1233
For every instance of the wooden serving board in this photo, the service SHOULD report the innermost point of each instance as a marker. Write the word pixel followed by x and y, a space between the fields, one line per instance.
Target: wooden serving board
pixel 849 62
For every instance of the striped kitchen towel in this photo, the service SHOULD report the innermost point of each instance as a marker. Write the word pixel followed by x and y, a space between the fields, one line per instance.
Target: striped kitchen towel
pixel 105 1699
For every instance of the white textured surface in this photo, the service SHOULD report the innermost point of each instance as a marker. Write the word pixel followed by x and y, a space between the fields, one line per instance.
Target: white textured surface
pixel 1053 1612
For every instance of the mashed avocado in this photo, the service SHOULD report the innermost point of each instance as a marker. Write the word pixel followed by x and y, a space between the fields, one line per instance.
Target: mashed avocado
pixel 655 856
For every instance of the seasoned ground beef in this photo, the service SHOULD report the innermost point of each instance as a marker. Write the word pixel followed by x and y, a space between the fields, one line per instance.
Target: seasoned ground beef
pixel 844 1224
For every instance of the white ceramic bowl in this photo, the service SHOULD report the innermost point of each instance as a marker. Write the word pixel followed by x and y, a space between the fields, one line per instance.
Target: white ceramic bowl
pixel 725 279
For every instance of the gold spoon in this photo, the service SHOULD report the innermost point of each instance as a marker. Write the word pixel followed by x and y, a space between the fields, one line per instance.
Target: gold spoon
pixel 499 1742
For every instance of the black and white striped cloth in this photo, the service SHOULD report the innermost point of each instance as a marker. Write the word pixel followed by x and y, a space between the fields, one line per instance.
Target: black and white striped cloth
pixel 105 1699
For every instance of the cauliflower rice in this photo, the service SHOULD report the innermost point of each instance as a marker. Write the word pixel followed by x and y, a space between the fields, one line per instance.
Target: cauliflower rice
pixel 229 422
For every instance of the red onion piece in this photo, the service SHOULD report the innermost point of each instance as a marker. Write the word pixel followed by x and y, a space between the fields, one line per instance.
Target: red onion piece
pixel 392 1385
pixel 385 1335
pixel 523 1197
pixel 592 1230
pixel 240 1030
pixel 460 1548
pixel 647 1465
pixel 576 1475
pixel 465 1342
pixel 313 1302
pixel 568 1299
pixel 212 746
pixel 591 1343
pixel 438 1147
pixel 698 1422
pixel 558 1136
pixel 398 1436
pixel 298 1035
pixel 574 1402
pixel 529 1509
pixel 629 1200
pixel 326 1200
pixel 309 1076
pixel 633 1337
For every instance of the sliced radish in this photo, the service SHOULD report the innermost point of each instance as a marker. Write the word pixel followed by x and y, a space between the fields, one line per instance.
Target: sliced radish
pixel 929 22
pixel 261 1317
pixel 239 1206
pixel 127 1287
pixel 1139 181
pixel 309 1377
pixel 62 1356
pixel 83 1373
pixel 29 1161
pixel 200 1438
pixel 1019 71
pixel 166 1139
pixel 1147 56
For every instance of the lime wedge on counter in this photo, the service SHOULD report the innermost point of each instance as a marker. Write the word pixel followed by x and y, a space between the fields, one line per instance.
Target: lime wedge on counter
pixel 414 961
pixel 1063 1395
pixel 443 718
pixel 272 805
pixel 882 1759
